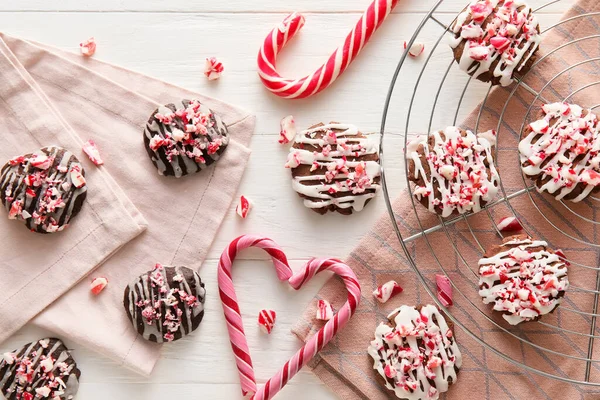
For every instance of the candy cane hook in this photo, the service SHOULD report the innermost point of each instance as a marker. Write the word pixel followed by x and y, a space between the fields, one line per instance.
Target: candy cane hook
pixel 337 63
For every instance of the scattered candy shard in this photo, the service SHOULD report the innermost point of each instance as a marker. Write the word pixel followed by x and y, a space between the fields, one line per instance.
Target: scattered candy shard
pixel 88 47
pixel 91 150
pixel 243 207
pixel 562 256
pixel 213 68
pixel 444 290
pixel 416 49
pixel 288 129
pixel 98 285
pixel 509 224
pixel 266 320
pixel 386 291
pixel 324 310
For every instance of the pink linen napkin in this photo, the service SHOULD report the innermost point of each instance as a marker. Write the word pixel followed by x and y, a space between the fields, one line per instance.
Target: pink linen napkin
pixel 54 97
pixel 559 344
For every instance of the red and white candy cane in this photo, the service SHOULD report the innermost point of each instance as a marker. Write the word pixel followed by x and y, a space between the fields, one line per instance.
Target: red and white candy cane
pixel 337 63
pixel 231 309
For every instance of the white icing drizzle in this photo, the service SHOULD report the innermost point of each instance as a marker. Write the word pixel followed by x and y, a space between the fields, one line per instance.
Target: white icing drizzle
pixel 510 37
pixel 562 149
pixel 456 168
pixel 521 282
pixel 336 143
pixel 415 350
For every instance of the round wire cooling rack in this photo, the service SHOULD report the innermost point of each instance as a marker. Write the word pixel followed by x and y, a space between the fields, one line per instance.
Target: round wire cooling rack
pixel 562 344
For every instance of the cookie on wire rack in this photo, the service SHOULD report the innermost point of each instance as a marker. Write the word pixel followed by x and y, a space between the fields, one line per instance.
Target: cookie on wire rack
pixel 560 152
pixel 496 40
pixel 453 170
pixel 415 352
pixel 523 278
pixel 334 168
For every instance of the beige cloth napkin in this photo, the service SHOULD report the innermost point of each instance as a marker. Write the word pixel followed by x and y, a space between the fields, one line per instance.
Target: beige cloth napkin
pixel 344 364
pixel 48 96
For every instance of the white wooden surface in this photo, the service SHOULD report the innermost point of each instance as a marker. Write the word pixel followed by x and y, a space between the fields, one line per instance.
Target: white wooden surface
pixel 170 40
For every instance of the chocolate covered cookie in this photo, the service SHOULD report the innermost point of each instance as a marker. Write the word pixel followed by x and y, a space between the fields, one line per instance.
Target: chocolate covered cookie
pixel 184 138
pixel 165 304
pixel 45 189
pixel 334 168
pixel 496 40
pixel 415 352
pixel 39 370
pixel 560 152
pixel 523 278
pixel 453 170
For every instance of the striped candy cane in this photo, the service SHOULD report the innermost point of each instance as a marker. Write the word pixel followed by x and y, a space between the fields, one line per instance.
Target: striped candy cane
pixel 237 336
pixel 297 281
pixel 337 63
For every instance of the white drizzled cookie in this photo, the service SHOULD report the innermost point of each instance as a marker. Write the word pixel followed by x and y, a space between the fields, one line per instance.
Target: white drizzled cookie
pixel 416 353
pixel 39 370
pixel 559 152
pixel 334 168
pixel 522 278
pixel 495 40
pixel 184 138
pixel 45 189
pixel 165 304
pixel 453 170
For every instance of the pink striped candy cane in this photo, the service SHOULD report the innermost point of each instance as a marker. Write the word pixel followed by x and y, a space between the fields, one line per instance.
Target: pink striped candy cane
pixel 237 336
pixel 337 63
pixel 234 320
pixel 326 333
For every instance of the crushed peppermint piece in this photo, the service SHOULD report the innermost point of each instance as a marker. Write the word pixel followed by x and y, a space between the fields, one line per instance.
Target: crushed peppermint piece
pixel 77 176
pixel 91 150
pixel 324 310
pixel 213 68
pixel 88 47
pixel 444 289
pixel 98 285
pixel 243 207
pixel 386 291
pixel 416 49
pixel 287 130
pixel 509 224
pixel 44 343
pixel 266 320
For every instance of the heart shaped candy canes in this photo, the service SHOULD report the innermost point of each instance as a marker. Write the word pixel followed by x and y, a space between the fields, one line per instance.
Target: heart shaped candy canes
pixel 237 337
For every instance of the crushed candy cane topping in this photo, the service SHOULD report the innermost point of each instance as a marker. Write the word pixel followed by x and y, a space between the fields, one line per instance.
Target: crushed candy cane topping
pixel 213 68
pixel 43 188
pixel 561 152
pixel 386 291
pixel 444 289
pixel 509 224
pixel 243 207
pixel 266 320
pixel 416 353
pixel 88 47
pixel 335 154
pixel 501 31
pixel 524 280
pixel 454 170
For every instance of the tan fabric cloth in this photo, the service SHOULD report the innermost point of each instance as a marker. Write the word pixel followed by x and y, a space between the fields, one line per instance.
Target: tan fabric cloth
pixel 132 219
pixel 344 364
